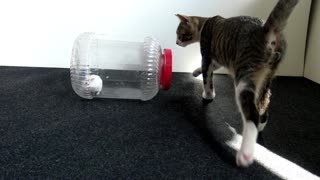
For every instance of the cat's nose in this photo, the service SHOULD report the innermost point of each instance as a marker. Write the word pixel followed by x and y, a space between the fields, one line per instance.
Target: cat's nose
pixel 177 42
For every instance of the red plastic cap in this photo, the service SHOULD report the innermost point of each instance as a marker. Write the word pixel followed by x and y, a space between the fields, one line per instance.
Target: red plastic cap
pixel 166 70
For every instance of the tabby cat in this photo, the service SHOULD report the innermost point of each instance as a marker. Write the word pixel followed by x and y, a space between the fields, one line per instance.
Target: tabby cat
pixel 251 51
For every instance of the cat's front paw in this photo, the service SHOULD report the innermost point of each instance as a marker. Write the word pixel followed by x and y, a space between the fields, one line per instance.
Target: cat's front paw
pixel 244 159
pixel 208 95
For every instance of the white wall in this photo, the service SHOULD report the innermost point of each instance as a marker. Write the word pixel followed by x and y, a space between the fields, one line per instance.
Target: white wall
pixel 41 32
pixel 312 68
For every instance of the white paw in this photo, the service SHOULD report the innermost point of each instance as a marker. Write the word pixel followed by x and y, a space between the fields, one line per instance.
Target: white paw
pixel 208 95
pixel 245 155
pixel 197 72
pixel 261 126
pixel 98 93
pixel 244 159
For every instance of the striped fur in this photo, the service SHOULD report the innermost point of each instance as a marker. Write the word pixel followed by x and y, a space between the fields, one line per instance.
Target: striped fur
pixel 251 50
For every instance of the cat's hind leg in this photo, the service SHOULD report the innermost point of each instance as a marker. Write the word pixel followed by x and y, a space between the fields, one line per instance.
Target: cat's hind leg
pixel 263 106
pixel 245 98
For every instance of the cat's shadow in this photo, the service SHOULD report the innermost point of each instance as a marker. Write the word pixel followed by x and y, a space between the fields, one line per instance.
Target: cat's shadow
pixel 196 114
pixel 214 131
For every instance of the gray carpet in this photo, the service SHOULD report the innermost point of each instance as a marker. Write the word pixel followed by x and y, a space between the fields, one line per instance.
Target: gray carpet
pixel 47 131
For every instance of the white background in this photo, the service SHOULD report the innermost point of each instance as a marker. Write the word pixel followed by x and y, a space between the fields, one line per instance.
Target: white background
pixel 312 70
pixel 41 33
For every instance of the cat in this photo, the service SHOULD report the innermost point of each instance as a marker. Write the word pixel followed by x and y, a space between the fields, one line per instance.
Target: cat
pixel 251 51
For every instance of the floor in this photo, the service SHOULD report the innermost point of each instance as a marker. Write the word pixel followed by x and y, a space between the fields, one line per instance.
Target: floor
pixel 47 131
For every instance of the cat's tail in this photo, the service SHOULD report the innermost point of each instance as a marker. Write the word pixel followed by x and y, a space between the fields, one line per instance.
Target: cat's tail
pixel 277 20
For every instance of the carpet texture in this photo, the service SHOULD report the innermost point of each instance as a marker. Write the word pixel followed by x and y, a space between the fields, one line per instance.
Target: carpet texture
pixel 47 131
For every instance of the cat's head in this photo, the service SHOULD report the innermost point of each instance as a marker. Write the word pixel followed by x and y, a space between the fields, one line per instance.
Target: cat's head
pixel 188 31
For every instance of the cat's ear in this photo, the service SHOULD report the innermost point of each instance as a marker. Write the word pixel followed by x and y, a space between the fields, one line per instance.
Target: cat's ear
pixel 184 19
